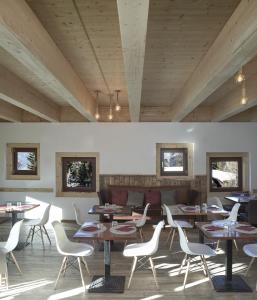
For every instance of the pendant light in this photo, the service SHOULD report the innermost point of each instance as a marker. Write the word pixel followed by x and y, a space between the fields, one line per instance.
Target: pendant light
pixel 243 98
pixel 117 105
pixel 240 76
pixel 97 115
pixel 110 116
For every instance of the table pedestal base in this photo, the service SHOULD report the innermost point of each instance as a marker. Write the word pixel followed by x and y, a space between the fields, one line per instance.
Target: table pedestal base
pixel 110 284
pixel 236 285
pixel 115 247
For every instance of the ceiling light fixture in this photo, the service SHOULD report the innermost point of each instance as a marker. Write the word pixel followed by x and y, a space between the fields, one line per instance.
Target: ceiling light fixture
pixel 110 116
pixel 244 98
pixel 240 76
pixel 117 106
pixel 97 115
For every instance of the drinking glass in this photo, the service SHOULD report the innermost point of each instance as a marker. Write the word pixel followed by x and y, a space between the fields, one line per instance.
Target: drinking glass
pixel 8 205
pixel 18 204
pixel 114 223
pixel 197 208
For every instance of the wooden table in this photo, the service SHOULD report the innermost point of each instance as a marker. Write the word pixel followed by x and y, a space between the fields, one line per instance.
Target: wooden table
pixel 14 210
pixel 177 210
pixel 106 283
pixel 240 199
pixel 101 210
pixel 227 282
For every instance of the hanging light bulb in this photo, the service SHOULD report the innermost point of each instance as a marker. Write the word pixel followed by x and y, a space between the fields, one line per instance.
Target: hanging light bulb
pixel 244 98
pixel 110 116
pixel 97 115
pixel 240 77
pixel 117 106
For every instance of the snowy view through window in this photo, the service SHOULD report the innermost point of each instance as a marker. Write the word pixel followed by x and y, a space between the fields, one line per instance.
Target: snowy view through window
pixel 79 174
pixel 224 174
pixel 26 161
pixel 173 162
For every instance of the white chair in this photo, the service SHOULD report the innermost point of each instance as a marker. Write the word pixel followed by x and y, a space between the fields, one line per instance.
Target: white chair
pixel 215 201
pixel 192 250
pixel 145 251
pixel 40 223
pixel 141 222
pixel 78 217
pixel 231 218
pixel 250 250
pixel 173 225
pixel 70 250
pixel 12 242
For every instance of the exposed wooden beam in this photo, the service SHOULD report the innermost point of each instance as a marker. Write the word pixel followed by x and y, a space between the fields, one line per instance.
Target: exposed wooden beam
pixel 19 93
pixel 231 105
pixel 24 37
pixel 249 115
pixel 133 16
pixel 235 46
pixel 9 112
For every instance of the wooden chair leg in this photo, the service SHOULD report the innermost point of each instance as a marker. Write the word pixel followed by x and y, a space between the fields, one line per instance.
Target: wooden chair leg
pixel 141 234
pixel 235 243
pixel 250 264
pixel 169 235
pixel 41 234
pixel 15 262
pixel 154 272
pixel 86 265
pixel 132 270
pixel 203 266
pixel 207 270
pixel 28 236
pixel 61 269
pixel 182 264
pixel 172 238
pixel 186 274
pixel 33 232
pixel 47 235
pixel 81 273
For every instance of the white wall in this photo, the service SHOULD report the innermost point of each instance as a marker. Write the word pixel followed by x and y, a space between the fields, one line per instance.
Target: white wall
pixel 125 148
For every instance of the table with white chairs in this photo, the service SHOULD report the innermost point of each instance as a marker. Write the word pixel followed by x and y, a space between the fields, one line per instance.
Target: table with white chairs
pixel 106 283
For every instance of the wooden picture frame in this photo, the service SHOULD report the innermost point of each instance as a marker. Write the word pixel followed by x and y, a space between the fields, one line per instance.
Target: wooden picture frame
pixel 28 156
pixel 83 180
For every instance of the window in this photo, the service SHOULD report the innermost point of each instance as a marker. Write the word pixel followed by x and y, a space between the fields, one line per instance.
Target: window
pixel 77 174
pixel 225 174
pixel 174 160
pixel 23 161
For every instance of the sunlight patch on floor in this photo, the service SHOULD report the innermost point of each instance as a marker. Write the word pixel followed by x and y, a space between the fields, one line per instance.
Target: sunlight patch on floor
pixel 67 294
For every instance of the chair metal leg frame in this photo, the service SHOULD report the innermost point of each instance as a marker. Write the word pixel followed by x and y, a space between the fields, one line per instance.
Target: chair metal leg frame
pixel 4 278
pixel 142 262
pixel 182 264
pixel 203 266
pixel 250 264
pixel 132 270
pixel 154 272
pixel 40 230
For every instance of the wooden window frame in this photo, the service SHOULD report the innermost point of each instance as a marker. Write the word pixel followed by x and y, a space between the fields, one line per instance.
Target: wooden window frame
pixel 11 161
pixel 240 174
pixel 60 190
pixel 184 151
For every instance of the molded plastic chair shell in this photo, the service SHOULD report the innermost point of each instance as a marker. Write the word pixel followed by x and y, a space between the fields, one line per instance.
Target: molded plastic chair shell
pixel 193 248
pixel 172 223
pixel 141 222
pixel 67 247
pixel 232 216
pixel 39 221
pixel 147 248
pixel 13 238
pixel 215 201
pixel 78 217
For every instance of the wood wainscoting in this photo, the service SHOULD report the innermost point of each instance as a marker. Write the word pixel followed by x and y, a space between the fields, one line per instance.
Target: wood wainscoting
pixel 198 183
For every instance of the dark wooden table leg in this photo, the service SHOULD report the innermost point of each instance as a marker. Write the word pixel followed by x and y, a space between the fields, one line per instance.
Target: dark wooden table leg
pixel 14 217
pixel 229 255
pixel 201 237
pixel 107 258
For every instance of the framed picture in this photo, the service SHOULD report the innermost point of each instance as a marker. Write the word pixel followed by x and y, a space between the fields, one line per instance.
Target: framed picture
pixel 23 161
pixel 77 174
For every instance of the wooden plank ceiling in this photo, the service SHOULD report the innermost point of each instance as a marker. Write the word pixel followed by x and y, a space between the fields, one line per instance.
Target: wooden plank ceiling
pixel 171 60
